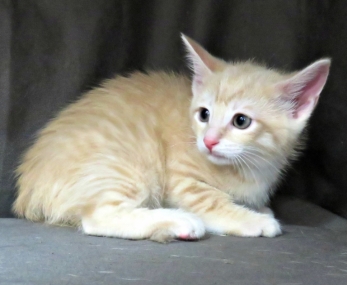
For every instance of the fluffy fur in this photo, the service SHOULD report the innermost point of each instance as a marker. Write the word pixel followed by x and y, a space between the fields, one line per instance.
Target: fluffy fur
pixel 133 158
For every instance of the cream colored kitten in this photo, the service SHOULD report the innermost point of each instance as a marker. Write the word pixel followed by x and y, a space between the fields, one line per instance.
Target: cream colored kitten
pixel 210 151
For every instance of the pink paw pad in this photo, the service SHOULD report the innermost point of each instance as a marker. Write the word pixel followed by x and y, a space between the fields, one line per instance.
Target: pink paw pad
pixel 187 237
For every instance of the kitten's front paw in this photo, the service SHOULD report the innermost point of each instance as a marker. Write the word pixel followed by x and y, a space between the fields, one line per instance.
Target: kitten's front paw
pixel 261 225
pixel 271 228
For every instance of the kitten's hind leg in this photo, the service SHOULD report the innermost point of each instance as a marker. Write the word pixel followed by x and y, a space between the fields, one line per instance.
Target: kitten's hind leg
pixel 123 220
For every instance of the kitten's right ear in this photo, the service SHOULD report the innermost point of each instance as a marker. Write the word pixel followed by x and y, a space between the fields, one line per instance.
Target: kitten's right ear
pixel 303 89
pixel 201 62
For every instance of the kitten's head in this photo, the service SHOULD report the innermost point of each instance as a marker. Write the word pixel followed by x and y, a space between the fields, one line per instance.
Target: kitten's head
pixel 245 113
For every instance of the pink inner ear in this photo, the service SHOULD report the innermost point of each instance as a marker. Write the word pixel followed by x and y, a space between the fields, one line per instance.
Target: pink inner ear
pixel 305 87
pixel 310 93
pixel 198 79
pixel 202 62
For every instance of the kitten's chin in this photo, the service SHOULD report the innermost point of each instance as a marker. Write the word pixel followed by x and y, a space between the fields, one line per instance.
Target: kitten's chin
pixel 218 159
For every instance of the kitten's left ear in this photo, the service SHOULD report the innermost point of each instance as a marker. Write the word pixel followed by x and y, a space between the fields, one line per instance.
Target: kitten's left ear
pixel 202 63
pixel 304 88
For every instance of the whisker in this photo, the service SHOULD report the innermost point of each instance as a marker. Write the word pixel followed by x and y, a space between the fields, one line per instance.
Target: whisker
pixel 249 159
pixel 244 155
pixel 262 158
pixel 250 169
pixel 280 154
pixel 239 165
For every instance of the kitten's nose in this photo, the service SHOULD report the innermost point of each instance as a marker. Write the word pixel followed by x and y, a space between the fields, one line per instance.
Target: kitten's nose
pixel 210 142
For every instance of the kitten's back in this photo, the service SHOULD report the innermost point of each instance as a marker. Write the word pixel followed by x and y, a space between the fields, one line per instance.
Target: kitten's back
pixel 123 121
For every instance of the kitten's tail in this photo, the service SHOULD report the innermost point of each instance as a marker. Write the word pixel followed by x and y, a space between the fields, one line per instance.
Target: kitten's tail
pixel 22 208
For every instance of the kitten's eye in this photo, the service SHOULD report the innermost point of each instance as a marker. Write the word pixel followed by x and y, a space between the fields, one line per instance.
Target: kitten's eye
pixel 204 115
pixel 241 121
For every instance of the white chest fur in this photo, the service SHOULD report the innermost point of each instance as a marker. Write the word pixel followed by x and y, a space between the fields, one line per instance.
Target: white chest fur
pixel 255 190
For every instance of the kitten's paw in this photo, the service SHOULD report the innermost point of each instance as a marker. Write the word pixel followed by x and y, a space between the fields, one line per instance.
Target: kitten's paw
pixel 272 229
pixel 183 226
pixel 262 225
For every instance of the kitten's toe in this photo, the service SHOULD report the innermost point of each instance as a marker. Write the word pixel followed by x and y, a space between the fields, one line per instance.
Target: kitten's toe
pixel 183 226
pixel 189 228
pixel 162 236
pixel 167 235
pixel 271 228
pixel 262 225
pixel 187 237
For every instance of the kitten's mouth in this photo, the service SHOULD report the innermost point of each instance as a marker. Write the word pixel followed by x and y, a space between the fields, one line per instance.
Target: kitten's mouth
pixel 218 159
pixel 223 158
pixel 217 155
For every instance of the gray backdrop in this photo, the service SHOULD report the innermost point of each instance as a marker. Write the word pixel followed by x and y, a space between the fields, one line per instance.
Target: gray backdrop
pixel 51 51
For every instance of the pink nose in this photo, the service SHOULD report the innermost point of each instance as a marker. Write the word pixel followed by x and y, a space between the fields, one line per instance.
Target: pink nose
pixel 210 142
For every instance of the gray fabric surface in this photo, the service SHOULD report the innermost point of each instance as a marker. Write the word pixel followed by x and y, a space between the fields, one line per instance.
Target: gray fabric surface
pixel 304 254
pixel 295 211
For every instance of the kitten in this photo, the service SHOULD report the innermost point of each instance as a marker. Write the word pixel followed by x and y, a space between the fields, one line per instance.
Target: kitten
pixel 157 156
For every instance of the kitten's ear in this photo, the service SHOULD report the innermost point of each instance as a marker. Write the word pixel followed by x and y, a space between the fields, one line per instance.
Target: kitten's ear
pixel 202 63
pixel 303 89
